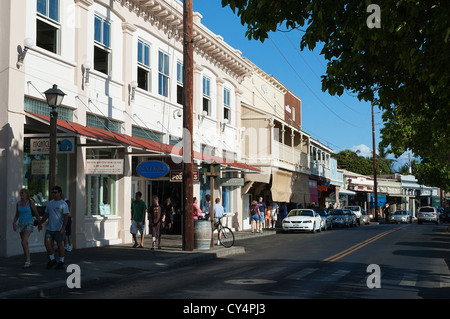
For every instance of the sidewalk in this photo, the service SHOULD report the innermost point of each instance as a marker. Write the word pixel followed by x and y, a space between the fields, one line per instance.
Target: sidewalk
pixel 103 264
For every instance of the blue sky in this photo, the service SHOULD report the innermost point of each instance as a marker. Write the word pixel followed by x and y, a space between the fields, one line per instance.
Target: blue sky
pixel 339 122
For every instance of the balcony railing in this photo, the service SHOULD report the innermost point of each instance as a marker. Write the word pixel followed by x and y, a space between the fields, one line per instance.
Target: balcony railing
pixel 289 154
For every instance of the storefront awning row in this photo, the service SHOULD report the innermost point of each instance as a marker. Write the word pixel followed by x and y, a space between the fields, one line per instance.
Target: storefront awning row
pixel 286 186
pixel 109 137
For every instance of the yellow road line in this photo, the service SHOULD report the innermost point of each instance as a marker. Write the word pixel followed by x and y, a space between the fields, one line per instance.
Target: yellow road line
pixel 360 245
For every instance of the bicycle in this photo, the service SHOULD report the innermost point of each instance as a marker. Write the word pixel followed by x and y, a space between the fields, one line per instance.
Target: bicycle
pixel 225 234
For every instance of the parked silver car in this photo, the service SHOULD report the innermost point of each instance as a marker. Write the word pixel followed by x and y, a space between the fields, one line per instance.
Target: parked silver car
pixel 401 216
pixel 427 214
pixel 365 218
pixel 327 220
pixel 340 217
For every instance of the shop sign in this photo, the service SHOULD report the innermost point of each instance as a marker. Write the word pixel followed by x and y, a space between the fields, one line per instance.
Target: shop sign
pixel 104 166
pixel 152 169
pixel 177 175
pixel 236 182
pixel 65 145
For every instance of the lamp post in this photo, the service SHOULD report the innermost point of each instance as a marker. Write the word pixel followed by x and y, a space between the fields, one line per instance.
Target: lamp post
pixel 54 99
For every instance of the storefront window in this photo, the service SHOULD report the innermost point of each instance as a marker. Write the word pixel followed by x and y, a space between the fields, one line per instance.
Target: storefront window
pixel 101 189
pixel 101 199
pixel 36 172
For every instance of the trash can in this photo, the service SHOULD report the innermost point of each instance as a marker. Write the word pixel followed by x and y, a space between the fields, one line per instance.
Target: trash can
pixel 202 234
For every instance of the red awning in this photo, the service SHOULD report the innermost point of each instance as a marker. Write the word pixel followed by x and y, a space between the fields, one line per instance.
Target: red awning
pixel 138 142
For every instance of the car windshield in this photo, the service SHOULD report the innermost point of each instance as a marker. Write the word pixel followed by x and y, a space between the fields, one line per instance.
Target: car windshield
pixel 321 212
pixel 399 212
pixel 427 209
pixel 353 208
pixel 300 213
pixel 337 212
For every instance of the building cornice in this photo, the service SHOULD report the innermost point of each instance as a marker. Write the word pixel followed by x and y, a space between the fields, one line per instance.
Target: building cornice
pixel 168 16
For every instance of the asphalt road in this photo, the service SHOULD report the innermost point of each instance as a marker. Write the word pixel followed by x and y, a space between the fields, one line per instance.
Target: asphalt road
pixel 369 262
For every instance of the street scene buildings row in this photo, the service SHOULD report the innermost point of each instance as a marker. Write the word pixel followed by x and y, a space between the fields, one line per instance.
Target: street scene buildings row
pixel 120 64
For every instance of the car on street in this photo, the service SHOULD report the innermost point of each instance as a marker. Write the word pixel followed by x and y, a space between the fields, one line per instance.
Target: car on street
pixel 365 218
pixel 357 210
pixel 302 220
pixel 353 218
pixel 327 220
pixel 401 216
pixel 427 214
pixel 340 217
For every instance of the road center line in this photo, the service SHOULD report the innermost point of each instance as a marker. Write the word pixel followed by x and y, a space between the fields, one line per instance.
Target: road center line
pixel 359 245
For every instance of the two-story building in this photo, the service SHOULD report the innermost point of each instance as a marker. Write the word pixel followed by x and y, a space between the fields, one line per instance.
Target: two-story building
pixel 272 140
pixel 120 65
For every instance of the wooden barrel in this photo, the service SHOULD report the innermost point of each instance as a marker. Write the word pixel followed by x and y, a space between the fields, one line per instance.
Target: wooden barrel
pixel 202 234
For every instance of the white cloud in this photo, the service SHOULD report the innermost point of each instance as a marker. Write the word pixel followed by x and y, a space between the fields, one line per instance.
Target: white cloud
pixel 362 150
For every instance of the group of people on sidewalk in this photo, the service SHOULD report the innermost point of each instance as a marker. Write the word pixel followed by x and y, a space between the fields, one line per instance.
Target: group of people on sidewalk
pixel 58 230
pixel 160 217
pixel 263 216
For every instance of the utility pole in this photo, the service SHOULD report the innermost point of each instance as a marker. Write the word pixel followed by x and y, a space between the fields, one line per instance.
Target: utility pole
pixel 375 191
pixel 188 159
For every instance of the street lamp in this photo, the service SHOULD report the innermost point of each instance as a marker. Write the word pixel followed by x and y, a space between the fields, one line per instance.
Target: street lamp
pixel 54 99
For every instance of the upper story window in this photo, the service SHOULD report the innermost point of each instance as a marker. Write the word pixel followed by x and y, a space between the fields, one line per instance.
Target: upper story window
pixel 207 95
pixel 102 45
pixel 226 105
pixel 144 71
pixel 47 25
pixel 180 80
pixel 163 74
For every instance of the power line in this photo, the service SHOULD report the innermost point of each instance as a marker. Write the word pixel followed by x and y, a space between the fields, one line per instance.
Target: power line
pixel 310 89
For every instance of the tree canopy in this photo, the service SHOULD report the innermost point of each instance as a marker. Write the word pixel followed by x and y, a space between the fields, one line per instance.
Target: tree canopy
pixel 402 67
pixel 356 163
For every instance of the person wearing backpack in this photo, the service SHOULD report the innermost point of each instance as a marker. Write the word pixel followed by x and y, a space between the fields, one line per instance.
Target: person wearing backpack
pixel 156 220
pixel 254 216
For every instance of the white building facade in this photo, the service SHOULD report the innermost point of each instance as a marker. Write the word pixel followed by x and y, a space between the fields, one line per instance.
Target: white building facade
pixel 120 65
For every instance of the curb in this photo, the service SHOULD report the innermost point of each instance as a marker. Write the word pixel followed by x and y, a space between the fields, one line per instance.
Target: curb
pixel 103 271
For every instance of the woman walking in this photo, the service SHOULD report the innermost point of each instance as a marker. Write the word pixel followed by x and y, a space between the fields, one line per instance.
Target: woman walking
pixel 25 210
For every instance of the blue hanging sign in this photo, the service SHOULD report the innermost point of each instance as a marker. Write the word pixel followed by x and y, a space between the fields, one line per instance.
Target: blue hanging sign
pixel 152 169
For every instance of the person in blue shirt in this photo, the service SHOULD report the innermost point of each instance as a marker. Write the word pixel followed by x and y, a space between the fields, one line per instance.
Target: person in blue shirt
pixel 262 211
pixel 218 213
pixel 25 210
pixel 57 213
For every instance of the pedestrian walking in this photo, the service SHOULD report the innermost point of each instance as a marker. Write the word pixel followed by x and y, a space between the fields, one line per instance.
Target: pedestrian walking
pixel 138 210
pixel 197 211
pixel 23 222
pixel 218 213
pixel 68 239
pixel 168 212
pixel 156 219
pixel 262 211
pixel 207 208
pixel 386 213
pixel 275 211
pixel 57 213
pixel 268 217
pixel 254 216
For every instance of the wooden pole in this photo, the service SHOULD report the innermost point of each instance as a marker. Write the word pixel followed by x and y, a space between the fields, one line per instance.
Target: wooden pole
pixel 375 192
pixel 188 160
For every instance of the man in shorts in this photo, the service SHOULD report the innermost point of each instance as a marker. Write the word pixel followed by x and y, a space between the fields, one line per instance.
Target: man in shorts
pixel 138 210
pixel 57 213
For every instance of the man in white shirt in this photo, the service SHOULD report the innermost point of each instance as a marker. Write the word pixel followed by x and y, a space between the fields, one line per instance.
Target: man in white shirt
pixel 57 213
pixel 218 213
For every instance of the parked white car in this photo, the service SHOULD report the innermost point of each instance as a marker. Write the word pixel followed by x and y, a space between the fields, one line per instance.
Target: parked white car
pixel 302 219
